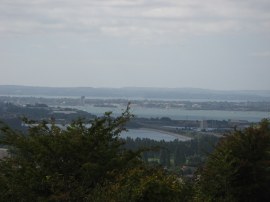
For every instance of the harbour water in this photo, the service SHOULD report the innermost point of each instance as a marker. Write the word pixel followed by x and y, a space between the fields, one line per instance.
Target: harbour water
pixel 153 134
pixel 182 114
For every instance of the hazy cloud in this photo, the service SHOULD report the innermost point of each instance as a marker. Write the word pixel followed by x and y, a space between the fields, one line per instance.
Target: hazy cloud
pixel 264 54
pixel 143 19
pixel 116 43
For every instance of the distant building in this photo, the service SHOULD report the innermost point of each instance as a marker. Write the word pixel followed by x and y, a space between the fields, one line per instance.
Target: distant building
pixel 203 125
pixel 196 106
pixel 83 100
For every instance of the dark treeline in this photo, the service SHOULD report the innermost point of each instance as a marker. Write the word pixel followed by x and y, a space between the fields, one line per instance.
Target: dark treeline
pixel 175 153
pixel 94 164
pixel 13 114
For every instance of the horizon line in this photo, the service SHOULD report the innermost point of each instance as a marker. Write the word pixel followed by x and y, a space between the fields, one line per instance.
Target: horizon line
pixel 125 87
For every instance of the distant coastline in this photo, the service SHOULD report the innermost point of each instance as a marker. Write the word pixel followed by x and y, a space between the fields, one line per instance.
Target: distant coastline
pixel 138 93
pixel 177 136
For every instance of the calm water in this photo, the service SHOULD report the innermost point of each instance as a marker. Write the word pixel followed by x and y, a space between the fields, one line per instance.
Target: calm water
pixel 181 114
pixel 154 135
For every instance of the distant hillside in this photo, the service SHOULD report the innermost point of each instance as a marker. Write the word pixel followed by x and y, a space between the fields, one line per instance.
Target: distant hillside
pixel 134 92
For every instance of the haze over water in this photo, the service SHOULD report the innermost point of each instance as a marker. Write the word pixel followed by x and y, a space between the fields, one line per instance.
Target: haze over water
pixel 223 44
pixel 181 114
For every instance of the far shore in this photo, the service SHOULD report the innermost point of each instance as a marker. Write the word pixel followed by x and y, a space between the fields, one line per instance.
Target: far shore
pixel 180 137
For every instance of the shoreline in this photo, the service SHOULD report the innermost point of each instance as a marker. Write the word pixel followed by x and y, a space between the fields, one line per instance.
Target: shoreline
pixel 177 136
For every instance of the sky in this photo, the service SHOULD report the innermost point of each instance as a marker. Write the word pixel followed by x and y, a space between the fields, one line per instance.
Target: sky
pixel 210 44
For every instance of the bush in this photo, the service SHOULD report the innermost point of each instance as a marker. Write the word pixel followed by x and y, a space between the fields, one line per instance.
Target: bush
pixel 239 168
pixel 53 164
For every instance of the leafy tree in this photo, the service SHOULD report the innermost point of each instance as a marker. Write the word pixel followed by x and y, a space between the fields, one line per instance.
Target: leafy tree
pixel 144 184
pixel 164 157
pixel 81 163
pixel 145 157
pixel 54 164
pixel 179 156
pixel 239 168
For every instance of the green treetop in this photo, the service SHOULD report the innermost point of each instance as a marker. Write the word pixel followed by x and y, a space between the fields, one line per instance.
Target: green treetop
pixel 239 168
pixel 80 163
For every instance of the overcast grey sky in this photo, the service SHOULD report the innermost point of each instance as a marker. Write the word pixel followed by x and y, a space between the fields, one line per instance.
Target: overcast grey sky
pixel 213 44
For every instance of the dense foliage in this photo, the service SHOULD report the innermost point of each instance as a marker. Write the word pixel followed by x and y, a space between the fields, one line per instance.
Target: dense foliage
pixel 143 183
pixel 73 164
pixel 239 168
pixel 54 164
pixel 90 162
pixel 175 153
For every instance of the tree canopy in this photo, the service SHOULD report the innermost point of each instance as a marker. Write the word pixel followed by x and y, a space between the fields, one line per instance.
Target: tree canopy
pixel 73 164
pixel 87 162
pixel 62 164
pixel 239 167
